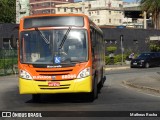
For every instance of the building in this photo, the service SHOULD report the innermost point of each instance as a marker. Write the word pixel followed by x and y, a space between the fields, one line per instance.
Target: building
pixel 32 7
pixel 108 13
pixel 77 8
pixel 102 12
pixel 22 9
pixel 45 6
pixel 133 16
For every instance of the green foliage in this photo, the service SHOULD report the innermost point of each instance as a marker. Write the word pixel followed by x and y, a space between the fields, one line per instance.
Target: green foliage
pixel 152 6
pixel 117 59
pixel 111 49
pixel 7 63
pixel 154 48
pixel 8 11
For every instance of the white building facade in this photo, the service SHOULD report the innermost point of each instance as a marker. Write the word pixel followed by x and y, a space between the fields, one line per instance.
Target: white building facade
pixel 102 12
pixel 22 9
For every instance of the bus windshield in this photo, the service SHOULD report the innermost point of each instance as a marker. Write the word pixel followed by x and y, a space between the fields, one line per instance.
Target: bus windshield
pixel 42 46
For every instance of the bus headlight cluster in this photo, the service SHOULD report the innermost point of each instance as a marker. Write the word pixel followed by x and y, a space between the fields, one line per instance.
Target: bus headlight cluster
pixel 84 73
pixel 24 74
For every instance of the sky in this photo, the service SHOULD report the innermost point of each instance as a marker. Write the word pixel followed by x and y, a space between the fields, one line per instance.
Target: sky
pixel 123 0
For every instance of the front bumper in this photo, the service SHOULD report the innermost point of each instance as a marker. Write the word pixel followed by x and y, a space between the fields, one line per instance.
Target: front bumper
pixel 66 86
pixel 138 64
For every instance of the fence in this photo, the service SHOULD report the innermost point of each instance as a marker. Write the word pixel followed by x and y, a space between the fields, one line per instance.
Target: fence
pixel 8 61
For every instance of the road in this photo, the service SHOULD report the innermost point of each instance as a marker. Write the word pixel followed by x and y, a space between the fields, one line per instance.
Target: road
pixel 114 96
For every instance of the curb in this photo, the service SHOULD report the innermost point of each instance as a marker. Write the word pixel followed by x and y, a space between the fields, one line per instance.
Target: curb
pixel 144 88
pixel 117 68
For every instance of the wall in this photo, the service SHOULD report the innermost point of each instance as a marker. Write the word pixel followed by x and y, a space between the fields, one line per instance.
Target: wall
pixel 135 40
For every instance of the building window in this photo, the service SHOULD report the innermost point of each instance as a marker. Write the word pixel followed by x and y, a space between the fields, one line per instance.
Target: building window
pixel 71 9
pixel 120 5
pixel 53 11
pixel 76 10
pixel 110 21
pixel 120 20
pixel 109 12
pixel 98 12
pixel 58 9
pixel 89 13
pixel 89 6
pixel 98 21
pixel 80 9
pixel 65 9
pixel 53 4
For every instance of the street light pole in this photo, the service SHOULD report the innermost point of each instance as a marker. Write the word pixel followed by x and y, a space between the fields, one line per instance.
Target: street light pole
pixel 122 49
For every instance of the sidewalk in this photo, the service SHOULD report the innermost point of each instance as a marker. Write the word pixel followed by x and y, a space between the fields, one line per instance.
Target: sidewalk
pixel 145 83
pixel 117 67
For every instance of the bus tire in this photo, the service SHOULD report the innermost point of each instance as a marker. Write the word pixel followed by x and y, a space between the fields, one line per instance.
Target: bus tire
pixel 100 84
pixel 36 97
pixel 94 94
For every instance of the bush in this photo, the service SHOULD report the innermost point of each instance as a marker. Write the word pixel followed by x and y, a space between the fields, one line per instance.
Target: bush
pixel 117 59
pixel 7 63
pixel 155 47
pixel 111 49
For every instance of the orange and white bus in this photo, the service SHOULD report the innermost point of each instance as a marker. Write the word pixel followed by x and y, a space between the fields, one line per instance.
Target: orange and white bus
pixel 60 53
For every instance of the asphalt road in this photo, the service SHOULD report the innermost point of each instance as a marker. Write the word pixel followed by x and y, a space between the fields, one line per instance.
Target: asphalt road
pixel 114 96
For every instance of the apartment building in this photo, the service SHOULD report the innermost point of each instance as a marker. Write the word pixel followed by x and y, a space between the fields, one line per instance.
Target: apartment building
pixel 102 12
pixel 107 12
pixel 45 6
pixel 77 8
pixel 32 7
pixel 106 16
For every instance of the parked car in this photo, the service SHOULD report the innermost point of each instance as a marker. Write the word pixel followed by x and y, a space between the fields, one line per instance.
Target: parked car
pixel 146 60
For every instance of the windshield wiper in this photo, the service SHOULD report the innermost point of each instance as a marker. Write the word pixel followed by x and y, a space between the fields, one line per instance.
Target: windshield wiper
pixel 42 35
pixel 64 38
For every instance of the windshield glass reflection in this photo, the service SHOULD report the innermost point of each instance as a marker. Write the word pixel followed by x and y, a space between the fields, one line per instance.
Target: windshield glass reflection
pixel 35 50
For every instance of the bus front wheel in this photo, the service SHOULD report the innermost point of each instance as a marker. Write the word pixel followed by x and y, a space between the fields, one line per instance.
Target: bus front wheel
pixel 94 94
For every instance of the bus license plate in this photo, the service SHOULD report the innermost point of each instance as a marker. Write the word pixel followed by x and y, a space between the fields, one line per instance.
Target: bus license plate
pixel 55 84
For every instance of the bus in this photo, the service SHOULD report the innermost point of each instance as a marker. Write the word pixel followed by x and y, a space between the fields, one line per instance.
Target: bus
pixel 60 53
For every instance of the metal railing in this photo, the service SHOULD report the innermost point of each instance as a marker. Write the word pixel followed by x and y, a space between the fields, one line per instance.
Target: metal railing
pixel 8 61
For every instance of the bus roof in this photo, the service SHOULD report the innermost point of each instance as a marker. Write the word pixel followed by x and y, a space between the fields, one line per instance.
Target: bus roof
pixel 47 15
pixel 79 23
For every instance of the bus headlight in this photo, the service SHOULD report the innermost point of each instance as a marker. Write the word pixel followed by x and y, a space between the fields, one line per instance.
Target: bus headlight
pixel 84 73
pixel 24 74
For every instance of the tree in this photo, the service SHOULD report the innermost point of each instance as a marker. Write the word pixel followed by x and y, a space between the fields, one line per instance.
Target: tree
pixel 153 7
pixel 7 11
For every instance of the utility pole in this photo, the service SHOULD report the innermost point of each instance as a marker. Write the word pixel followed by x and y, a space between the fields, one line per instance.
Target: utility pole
pixel 122 49
pixel 145 22
pixel 83 6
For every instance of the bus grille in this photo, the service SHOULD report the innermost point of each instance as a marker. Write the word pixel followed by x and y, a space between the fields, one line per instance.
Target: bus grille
pixel 54 72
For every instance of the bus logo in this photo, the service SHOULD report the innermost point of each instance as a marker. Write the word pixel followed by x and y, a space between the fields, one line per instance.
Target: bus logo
pixel 57 60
